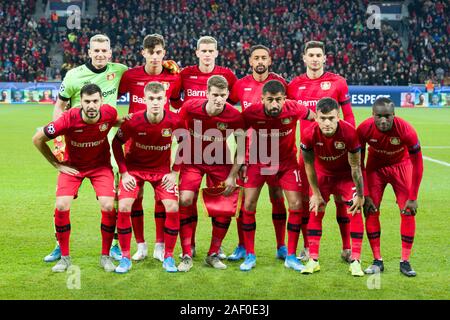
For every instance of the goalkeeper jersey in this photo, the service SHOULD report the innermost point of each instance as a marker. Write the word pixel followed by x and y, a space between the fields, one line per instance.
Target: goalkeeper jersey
pixel 107 78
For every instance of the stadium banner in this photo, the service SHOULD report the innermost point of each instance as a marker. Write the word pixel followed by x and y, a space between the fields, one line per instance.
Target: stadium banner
pixel 361 96
pixel 403 96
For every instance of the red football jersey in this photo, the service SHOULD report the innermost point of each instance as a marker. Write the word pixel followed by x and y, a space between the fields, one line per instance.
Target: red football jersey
pixel 388 148
pixel 194 82
pixel 248 91
pixel 331 153
pixel 150 144
pixel 209 132
pixel 285 124
pixel 134 81
pixel 309 91
pixel 87 145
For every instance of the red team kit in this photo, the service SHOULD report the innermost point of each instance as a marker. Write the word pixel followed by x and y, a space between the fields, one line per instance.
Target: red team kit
pixel 143 150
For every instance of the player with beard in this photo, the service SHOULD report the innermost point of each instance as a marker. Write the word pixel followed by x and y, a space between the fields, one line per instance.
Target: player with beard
pixel 85 130
pixel 248 91
pixel 100 71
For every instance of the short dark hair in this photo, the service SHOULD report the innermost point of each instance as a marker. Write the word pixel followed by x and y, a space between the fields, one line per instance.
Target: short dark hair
pixel 314 44
pixel 152 40
pixel 258 47
pixel 383 101
pixel 274 87
pixel 326 105
pixel 90 89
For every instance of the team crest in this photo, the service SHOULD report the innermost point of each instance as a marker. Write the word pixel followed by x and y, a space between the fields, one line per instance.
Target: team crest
pixel 339 145
pixel 395 141
pixel 167 132
pixel 110 76
pixel 103 127
pixel 221 125
pixel 286 120
pixel 325 85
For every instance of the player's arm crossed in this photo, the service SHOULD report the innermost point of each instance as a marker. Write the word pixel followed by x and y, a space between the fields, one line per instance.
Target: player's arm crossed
pixel 40 141
pixel 354 159
pixel 316 201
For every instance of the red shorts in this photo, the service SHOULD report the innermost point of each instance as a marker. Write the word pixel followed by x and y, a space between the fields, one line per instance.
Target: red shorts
pixel 102 179
pixel 287 177
pixel 399 176
pixel 156 181
pixel 338 186
pixel 191 175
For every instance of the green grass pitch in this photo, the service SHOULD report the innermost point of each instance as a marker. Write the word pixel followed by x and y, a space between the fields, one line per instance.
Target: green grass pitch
pixel 27 187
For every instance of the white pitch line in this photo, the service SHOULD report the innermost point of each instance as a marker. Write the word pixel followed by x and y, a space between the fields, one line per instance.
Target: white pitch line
pixel 437 161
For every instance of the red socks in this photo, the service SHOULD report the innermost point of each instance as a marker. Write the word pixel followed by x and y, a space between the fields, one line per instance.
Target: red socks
pixel 124 231
pixel 160 216
pixel 343 219
pixel 137 219
pixel 294 228
pixel 305 221
pixel 249 228
pixel 194 218
pixel 407 231
pixel 373 229
pixel 108 226
pixel 185 230
pixel 220 227
pixel 239 225
pixel 315 233
pixel 356 233
pixel 279 220
pixel 62 226
pixel 171 228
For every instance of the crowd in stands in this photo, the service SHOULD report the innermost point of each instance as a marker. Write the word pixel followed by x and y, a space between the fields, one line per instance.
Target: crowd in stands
pixel 24 43
pixel 429 38
pixel 362 55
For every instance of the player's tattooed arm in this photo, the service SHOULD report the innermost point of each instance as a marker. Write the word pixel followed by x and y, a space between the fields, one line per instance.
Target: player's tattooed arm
pixel 354 159
pixel 316 201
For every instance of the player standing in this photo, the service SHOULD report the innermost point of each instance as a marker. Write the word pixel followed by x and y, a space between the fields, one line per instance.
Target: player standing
pixel 395 157
pixel 106 75
pixel 150 134
pixel 210 122
pixel 277 118
pixel 87 156
pixel 248 91
pixel 194 86
pixel 133 81
pixel 308 89
pixel 332 155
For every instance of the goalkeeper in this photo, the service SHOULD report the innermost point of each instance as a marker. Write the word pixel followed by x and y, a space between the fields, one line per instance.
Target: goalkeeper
pixel 106 75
